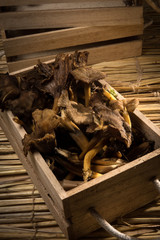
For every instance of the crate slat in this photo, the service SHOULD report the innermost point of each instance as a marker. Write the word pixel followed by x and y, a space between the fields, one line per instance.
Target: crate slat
pixel 69 5
pixel 67 38
pixel 96 54
pixel 34 2
pixel 71 18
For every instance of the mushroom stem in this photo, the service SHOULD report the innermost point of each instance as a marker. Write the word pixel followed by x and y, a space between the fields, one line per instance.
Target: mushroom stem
pixel 125 114
pixel 89 146
pixel 55 105
pixel 96 174
pixel 73 95
pixel 77 135
pixel 107 94
pixel 104 169
pixel 87 172
pixel 4 98
pixel 126 117
pixel 80 139
pixel 74 169
pixel 70 176
pixel 87 93
pixel 108 161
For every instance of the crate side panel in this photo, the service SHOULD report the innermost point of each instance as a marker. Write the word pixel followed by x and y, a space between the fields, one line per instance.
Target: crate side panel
pixel 34 2
pixel 114 194
pixel 150 130
pixel 66 38
pixel 96 54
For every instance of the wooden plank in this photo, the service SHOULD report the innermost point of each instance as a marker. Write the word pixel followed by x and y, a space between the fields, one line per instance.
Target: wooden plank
pixel 96 54
pixel 71 5
pixel 150 130
pixel 71 18
pixel 66 38
pixel 114 194
pixel 34 2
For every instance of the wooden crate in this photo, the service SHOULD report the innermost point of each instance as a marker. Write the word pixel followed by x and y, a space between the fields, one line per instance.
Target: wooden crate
pixel 114 194
pixel 108 29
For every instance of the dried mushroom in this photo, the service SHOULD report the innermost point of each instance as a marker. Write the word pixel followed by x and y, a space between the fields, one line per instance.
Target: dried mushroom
pixel 72 118
pixel 9 89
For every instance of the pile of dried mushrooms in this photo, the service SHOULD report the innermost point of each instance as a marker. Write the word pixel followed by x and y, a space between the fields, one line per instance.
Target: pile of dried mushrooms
pixel 76 123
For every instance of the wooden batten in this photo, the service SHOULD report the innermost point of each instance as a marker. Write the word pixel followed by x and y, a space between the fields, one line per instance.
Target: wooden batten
pixel 96 54
pixel 65 38
pixel 71 18
pixel 34 2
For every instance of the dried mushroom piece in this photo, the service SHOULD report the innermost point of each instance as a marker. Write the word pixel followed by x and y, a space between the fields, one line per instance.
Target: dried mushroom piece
pixel 70 156
pixel 60 71
pixel 25 105
pixel 34 78
pixel 44 70
pixel 74 131
pixel 131 104
pixel 43 137
pixel 80 59
pixel 76 112
pixel 45 121
pixel 44 144
pixel 87 75
pixel 117 127
pixel 9 89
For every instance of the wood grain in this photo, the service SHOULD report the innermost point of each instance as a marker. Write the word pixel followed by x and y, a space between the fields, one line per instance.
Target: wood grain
pixel 114 194
pixel 67 38
pixel 96 54
pixel 71 18
pixel 34 2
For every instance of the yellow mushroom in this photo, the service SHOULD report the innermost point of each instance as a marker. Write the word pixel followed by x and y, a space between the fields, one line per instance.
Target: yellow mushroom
pixel 125 114
pixel 126 117
pixel 87 172
pixel 89 146
pixel 107 94
pixel 75 132
pixel 95 174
